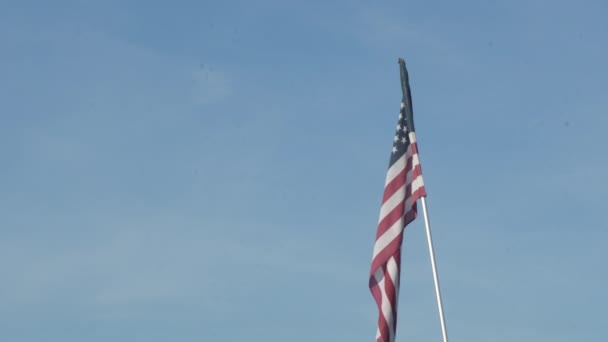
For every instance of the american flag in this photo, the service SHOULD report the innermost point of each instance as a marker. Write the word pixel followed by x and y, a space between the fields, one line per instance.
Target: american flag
pixel 403 187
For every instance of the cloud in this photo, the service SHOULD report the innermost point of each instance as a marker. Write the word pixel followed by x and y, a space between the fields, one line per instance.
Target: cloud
pixel 131 263
pixel 210 85
pixel 381 27
pixel 124 264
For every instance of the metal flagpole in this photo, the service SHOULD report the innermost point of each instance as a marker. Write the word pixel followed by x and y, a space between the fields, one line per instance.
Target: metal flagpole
pixel 429 238
pixel 407 99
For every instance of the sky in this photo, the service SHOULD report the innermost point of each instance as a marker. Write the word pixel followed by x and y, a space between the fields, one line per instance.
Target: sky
pixel 213 170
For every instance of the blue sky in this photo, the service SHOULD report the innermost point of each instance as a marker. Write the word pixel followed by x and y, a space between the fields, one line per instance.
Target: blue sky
pixel 212 171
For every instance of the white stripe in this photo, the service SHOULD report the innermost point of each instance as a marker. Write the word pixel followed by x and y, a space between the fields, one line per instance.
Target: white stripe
pixel 397 227
pixel 415 162
pixel 391 203
pixel 398 196
pixel 410 172
pixel 377 277
pixel 395 169
pixel 387 309
pixel 415 159
pixel 417 183
pixel 400 164
pixel 388 237
pixel 393 273
pixel 412 136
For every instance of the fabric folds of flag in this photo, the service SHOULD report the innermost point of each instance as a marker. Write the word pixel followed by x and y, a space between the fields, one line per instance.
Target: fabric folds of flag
pixel 403 187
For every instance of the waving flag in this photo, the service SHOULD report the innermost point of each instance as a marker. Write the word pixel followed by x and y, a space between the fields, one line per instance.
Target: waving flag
pixel 403 187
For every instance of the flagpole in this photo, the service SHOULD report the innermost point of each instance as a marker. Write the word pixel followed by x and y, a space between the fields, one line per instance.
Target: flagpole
pixel 429 239
pixel 407 100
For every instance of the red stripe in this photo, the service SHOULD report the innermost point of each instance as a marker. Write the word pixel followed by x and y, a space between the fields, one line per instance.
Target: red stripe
pixel 392 288
pixel 393 216
pixel 377 294
pixel 373 285
pixel 397 183
pixel 414 147
pixel 421 192
pixel 383 322
pixel 394 185
pixel 387 252
pixel 416 172
pixel 383 326
pixel 399 180
pixel 389 287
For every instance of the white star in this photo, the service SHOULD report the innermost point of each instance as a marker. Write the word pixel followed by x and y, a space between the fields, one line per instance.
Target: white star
pixel 394 149
pixel 402 105
pixel 400 116
pixel 404 128
pixel 396 138
pixel 398 126
pixel 403 140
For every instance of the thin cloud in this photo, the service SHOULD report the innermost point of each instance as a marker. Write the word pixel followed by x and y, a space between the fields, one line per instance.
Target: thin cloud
pixel 210 85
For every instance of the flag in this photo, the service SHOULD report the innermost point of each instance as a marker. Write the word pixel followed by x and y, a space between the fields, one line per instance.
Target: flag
pixel 403 187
